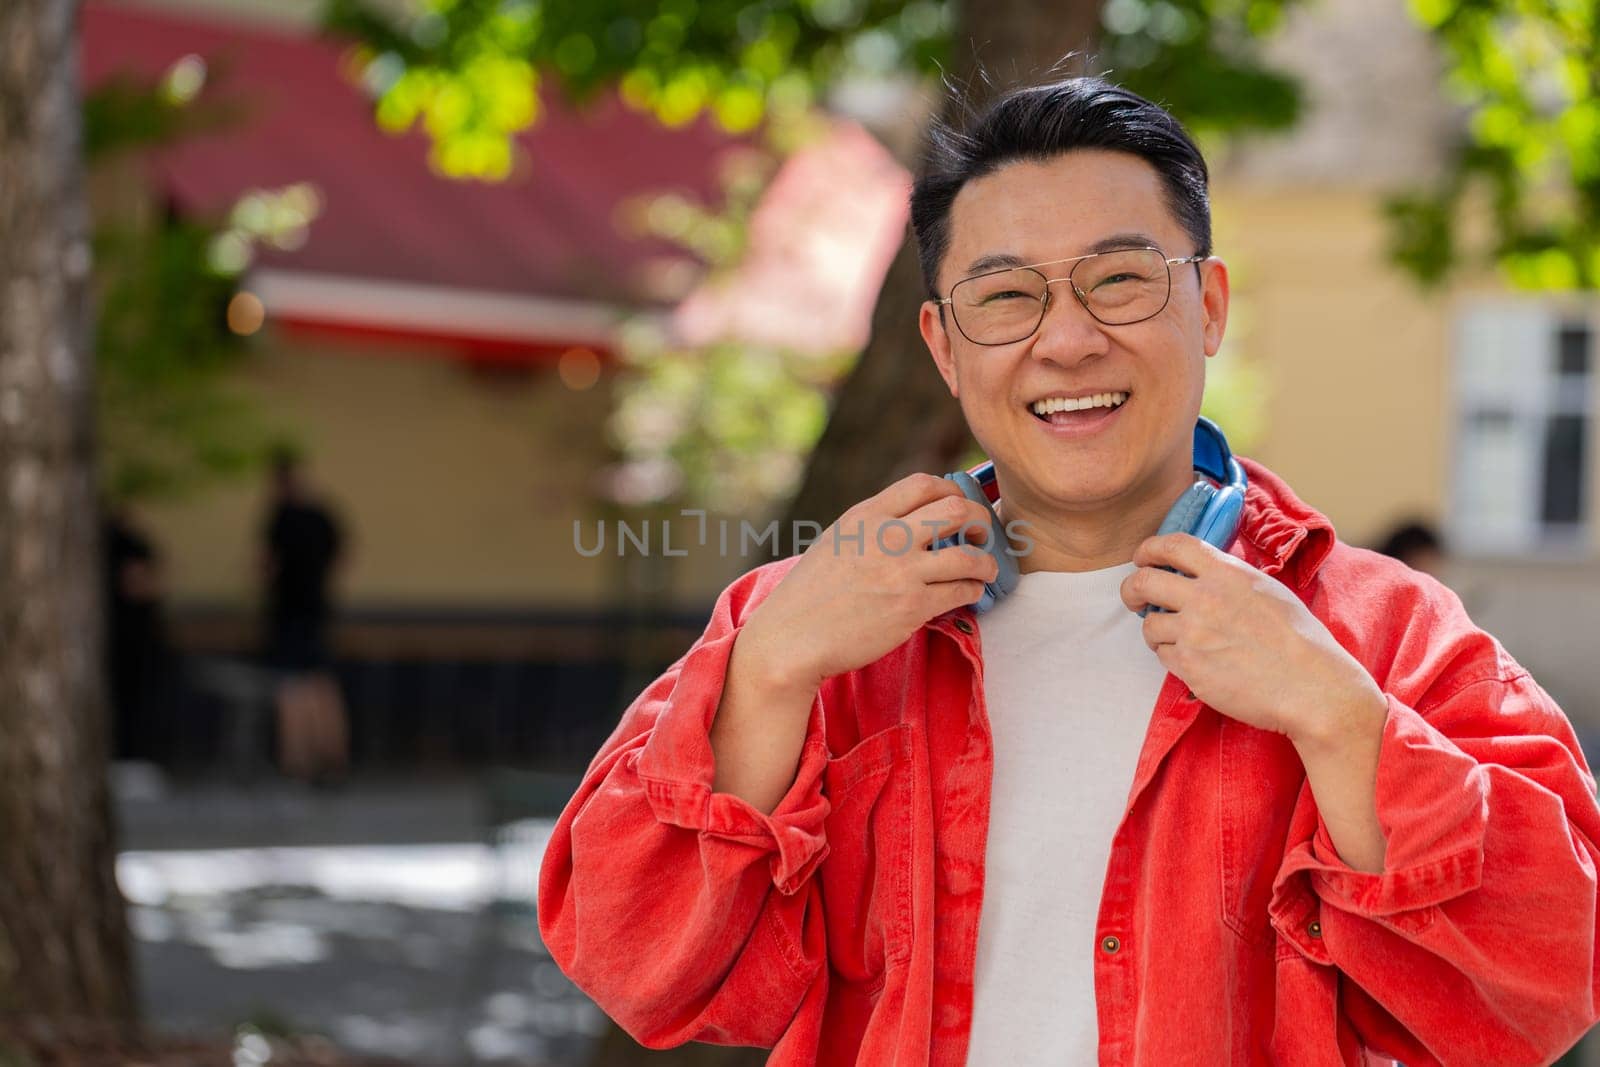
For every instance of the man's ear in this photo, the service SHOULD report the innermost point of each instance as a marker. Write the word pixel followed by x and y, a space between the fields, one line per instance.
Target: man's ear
pixel 1213 303
pixel 937 338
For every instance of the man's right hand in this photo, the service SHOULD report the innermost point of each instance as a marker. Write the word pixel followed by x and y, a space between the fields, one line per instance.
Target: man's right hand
pixel 850 600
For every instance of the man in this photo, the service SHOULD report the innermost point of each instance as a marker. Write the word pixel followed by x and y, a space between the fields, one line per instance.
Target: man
pixel 301 545
pixel 138 656
pixel 1304 814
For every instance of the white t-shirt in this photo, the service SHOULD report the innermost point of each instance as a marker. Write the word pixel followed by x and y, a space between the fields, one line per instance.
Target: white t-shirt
pixel 1069 685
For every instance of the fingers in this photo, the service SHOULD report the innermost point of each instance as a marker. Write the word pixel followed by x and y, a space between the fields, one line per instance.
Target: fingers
pixel 910 493
pixel 957 562
pixel 907 517
pixel 1161 630
pixel 1158 586
pixel 1183 552
pixel 951 595
pixel 931 507
pixel 949 516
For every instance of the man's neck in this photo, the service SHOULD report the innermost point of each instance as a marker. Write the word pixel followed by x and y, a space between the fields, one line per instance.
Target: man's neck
pixel 1088 539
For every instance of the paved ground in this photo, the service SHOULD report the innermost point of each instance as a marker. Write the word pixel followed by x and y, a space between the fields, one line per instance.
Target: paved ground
pixel 368 915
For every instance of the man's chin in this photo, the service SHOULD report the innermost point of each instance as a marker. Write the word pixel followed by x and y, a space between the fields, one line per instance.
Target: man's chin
pixel 1078 494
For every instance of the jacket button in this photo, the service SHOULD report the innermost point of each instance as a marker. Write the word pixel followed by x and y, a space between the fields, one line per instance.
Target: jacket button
pixel 1110 944
pixel 964 626
pixel 1315 929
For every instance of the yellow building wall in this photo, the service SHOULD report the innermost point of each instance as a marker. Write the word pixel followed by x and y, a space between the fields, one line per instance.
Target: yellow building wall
pixel 456 487
pixel 1353 355
pixel 387 447
pixel 1357 359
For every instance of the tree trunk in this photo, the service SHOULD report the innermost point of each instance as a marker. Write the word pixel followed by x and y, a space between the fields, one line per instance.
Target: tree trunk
pixel 63 939
pixel 893 415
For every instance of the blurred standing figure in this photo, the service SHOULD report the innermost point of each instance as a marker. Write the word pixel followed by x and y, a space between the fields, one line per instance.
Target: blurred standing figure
pixel 301 546
pixel 1417 546
pixel 137 653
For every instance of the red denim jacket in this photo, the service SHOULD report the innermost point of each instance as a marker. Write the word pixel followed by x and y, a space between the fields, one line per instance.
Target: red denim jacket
pixel 842 927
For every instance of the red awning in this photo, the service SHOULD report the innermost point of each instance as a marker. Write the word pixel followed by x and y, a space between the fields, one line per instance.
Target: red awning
pixel 528 266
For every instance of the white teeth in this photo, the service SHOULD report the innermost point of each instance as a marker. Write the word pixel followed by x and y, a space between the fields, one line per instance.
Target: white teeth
pixel 1061 403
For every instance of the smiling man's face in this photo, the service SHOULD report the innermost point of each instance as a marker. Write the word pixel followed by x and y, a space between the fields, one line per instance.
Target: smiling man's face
pixel 1067 206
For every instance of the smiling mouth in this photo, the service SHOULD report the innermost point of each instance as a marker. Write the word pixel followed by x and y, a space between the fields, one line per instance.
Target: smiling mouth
pixel 1063 410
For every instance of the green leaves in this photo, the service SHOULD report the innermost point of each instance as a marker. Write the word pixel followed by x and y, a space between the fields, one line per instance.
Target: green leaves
pixel 1527 75
pixel 123 114
pixel 167 418
pixel 725 425
pixel 1198 59
pixel 469 71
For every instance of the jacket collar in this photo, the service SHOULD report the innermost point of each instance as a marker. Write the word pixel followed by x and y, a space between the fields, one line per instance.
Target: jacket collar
pixel 1278 531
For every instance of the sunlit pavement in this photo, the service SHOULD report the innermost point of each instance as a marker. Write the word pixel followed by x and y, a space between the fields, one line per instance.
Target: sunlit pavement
pixel 426 951
pixel 362 914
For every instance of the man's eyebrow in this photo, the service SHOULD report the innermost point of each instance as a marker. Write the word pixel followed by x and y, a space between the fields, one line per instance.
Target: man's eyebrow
pixel 1003 260
pixel 1124 240
pixel 993 261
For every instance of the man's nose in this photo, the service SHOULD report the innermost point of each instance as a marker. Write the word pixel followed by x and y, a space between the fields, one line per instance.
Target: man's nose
pixel 1067 333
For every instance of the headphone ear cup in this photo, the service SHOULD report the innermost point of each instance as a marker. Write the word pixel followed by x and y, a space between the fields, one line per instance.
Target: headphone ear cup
pixel 1219 525
pixel 1185 515
pixel 997 545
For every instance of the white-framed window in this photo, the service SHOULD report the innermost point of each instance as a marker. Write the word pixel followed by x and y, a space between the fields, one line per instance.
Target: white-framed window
pixel 1524 407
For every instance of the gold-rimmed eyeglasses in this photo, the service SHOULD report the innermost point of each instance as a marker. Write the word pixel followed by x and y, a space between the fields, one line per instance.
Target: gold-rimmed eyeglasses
pixel 1119 288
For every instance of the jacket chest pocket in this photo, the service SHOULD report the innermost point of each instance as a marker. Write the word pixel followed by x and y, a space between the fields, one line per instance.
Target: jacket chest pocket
pixel 866 879
pixel 1258 778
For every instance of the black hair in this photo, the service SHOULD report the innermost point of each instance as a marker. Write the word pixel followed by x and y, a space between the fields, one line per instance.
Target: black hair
pixel 1043 121
pixel 1409 538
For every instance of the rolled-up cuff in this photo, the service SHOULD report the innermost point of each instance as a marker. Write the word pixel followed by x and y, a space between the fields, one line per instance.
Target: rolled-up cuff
pixel 677 767
pixel 1433 805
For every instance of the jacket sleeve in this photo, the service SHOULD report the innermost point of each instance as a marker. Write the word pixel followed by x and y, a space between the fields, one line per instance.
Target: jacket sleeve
pixel 1476 942
pixel 686 914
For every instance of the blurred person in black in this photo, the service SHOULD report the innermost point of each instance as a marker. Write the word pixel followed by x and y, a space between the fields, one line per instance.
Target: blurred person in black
pixel 137 655
pixel 302 543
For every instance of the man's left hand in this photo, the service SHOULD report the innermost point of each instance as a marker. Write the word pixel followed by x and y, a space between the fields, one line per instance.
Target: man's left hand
pixel 1243 643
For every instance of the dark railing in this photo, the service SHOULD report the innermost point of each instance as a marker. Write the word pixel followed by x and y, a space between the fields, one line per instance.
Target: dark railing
pixel 422 688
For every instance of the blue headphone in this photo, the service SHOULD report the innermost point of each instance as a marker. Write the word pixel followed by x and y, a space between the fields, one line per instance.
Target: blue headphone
pixel 1209 512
